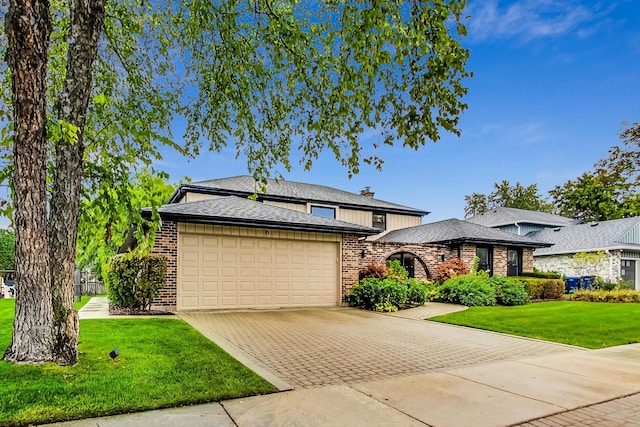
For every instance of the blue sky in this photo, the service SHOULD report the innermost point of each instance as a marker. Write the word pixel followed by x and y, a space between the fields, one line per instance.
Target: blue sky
pixel 554 80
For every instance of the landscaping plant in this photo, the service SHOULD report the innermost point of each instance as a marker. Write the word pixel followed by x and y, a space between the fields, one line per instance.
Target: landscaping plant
pixel 602 295
pixel 133 281
pixel 469 290
pixel 390 293
pixel 509 291
pixel 451 268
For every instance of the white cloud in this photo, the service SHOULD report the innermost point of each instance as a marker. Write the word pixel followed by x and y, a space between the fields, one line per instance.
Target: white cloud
pixel 528 19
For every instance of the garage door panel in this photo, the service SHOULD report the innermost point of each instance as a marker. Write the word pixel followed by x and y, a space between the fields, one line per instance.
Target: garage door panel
pixel 245 272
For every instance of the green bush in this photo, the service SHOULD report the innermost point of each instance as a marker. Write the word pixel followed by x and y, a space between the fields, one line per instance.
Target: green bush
pixel 469 290
pixel 132 281
pixel 600 283
pixel 542 288
pixel 542 274
pixel 396 272
pixel 373 293
pixel 509 292
pixel 416 292
pixel 601 295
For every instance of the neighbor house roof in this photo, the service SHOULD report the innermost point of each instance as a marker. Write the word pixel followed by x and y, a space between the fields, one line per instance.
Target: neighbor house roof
pixel 499 217
pixel 455 231
pixel 289 191
pixel 605 235
pixel 242 212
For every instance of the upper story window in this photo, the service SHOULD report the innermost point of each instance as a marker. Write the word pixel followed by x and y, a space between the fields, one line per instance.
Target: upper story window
pixel 324 211
pixel 379 221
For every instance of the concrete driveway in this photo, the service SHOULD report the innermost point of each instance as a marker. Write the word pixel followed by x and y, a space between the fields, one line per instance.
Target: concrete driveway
pixel 313 347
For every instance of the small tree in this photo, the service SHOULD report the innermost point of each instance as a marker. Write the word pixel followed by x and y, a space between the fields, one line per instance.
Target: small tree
pixel 133 281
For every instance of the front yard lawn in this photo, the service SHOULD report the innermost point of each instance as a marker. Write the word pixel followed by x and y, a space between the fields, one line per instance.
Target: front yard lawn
pixel 162 363
pixel 584 324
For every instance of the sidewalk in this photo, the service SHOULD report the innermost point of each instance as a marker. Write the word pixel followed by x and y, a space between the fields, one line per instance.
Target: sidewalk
pixel 98 308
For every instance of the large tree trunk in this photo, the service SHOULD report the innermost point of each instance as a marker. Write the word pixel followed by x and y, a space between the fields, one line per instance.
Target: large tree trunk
pixel 28 27
pixel 87 17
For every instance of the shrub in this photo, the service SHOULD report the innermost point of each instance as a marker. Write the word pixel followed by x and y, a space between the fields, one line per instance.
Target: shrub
pixel 448 269
pixel 370 293
pixel 600 283
pixel 601 295
pixel 469 290
pixel 396 272
pixel 542 288
pixel 542 274
pixel 509 292
pixel 416 292
pixel 377 271
pixel 133 281
pixel 432 288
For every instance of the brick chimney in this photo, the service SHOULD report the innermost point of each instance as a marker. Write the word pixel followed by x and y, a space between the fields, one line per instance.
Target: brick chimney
pixel 367 192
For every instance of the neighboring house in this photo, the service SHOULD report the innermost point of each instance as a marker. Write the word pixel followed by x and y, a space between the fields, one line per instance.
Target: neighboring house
pixel 303 244
pixel 520 221
pixel 619 239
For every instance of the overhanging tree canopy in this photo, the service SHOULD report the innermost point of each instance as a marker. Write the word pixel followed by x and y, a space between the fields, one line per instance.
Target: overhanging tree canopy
pixel 91 86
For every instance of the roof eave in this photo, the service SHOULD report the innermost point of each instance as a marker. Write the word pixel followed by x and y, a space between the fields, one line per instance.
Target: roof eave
pixel 276 198
pixel 577 250
pixel 212 220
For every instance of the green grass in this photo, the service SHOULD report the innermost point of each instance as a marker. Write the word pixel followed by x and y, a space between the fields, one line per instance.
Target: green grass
pixel 584 324
pixel 162 363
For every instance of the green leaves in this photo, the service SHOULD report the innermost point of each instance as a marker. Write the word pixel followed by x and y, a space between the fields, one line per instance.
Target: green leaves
pixel 506 195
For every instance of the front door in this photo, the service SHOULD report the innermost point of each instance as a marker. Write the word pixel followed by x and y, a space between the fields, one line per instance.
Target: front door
pixel 628 272
pixel 514 262
pixel 485 258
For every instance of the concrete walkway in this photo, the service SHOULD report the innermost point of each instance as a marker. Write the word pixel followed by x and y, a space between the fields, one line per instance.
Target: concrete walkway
pixel 98 308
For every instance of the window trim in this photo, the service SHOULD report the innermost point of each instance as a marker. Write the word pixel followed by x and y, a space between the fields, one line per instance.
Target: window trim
pixel 310 207
pixel 384 216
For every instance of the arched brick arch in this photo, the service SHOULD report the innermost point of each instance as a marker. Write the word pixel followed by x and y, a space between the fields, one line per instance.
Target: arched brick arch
pixel 421 271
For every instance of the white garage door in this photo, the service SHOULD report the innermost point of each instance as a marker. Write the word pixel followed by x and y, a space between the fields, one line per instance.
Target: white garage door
pixel 218 272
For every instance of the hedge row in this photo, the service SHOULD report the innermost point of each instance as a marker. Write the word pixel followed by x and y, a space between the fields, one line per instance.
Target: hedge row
pixel 542 288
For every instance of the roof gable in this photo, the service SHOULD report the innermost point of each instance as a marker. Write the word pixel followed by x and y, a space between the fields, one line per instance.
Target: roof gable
pixel 501 216
pixel 455 231
pixel 289 191
pixel 244 212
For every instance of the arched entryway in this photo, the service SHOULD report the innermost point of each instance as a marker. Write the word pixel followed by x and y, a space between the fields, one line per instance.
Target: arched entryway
pixel 409 260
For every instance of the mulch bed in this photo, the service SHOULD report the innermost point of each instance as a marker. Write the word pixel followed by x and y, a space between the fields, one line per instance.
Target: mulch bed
pixel 114 310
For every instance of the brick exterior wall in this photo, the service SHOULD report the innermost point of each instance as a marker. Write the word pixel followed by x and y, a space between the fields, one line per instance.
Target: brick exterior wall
pixel 500 260
pixel 527 259
pixel 166 243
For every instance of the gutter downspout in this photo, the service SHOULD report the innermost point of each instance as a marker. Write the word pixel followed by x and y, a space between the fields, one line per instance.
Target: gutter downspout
pixel 518 225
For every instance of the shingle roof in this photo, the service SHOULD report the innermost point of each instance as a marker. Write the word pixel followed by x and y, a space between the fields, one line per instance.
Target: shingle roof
pixel 243 212
pixel 291 191
pixel 457 231
pixel 498 217
pixel 587 237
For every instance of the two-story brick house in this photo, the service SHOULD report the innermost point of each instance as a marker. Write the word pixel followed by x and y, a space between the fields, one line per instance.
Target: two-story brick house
pixel 302 244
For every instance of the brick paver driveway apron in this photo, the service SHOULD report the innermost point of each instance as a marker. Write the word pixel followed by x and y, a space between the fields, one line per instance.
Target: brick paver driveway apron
pixel 312 347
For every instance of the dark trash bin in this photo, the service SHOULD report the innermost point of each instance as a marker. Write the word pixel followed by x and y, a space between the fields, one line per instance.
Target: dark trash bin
pixel 587 281
pixel 572 284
